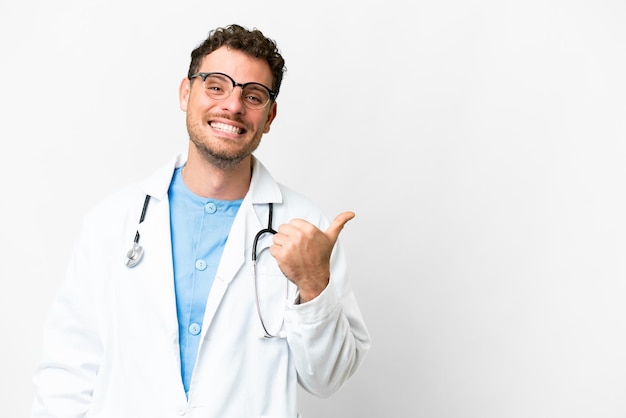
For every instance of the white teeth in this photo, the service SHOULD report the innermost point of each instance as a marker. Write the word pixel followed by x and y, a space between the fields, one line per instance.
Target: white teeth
pixel 226 128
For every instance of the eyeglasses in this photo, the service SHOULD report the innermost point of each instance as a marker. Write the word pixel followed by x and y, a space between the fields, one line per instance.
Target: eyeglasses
pixel 219 86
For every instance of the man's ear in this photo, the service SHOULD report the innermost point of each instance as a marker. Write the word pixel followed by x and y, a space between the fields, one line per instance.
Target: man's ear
pixel 271 115
pixel 183 93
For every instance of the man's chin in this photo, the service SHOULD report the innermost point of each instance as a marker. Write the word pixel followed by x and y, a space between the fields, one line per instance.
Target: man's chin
pixel 224 161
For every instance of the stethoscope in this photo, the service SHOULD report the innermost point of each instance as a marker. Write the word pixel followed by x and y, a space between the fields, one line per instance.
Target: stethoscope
pixel 135 255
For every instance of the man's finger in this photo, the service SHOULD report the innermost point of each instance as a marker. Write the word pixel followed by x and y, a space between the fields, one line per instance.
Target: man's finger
pixel 337 225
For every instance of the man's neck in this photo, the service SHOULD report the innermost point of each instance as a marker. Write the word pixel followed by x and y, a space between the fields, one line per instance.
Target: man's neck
pixel 204 179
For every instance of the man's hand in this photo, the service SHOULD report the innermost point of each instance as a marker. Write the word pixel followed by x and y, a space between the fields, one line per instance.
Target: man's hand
pixel 303 253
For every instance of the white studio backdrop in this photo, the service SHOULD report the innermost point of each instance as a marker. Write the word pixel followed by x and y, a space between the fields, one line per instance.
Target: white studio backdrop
pixel 480 143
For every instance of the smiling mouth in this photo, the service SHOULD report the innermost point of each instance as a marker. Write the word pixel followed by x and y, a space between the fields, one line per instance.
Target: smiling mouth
pixel 226 128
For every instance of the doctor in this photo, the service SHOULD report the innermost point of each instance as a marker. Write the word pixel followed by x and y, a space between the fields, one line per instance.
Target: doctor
pixel 163 312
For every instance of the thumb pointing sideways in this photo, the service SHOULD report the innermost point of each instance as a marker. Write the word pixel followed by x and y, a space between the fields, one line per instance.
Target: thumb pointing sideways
pixel 337 225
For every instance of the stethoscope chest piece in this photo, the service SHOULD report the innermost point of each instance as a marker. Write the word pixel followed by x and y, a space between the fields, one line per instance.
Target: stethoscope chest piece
pixel 134 255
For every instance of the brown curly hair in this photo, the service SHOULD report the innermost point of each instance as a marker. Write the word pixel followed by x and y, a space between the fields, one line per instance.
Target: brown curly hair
pixel 251 42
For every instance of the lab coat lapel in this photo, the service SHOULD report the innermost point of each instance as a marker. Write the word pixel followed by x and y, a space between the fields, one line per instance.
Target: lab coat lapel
pixel 234 256
pixel 160 299
pixel 156 240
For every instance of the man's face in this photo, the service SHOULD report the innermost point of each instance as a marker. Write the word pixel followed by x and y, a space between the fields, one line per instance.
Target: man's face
pixel 226 132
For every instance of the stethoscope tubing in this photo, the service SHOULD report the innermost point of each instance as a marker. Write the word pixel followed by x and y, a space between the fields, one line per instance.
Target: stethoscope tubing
pixel 268 230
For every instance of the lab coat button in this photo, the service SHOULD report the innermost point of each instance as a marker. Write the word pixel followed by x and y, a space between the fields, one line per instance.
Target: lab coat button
pixel 200 264
pixel 210 207
pixel 194 329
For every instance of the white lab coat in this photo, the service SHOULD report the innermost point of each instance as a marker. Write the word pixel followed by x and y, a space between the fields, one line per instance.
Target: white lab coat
pixel 111 338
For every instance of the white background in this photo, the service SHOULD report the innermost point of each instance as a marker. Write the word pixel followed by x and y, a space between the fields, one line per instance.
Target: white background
pixel 480 143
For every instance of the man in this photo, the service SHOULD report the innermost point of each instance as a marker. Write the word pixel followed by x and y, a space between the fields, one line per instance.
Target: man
pixel 188 324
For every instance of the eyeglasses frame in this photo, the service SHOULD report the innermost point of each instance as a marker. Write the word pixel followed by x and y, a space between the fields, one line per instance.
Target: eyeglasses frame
pixel 204 76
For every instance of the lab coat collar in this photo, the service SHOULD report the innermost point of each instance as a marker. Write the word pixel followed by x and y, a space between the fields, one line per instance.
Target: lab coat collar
pixel 158 183
pixel 263 187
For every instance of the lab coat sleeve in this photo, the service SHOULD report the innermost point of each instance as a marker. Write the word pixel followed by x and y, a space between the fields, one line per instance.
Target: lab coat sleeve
pixel 64 378
pixel 327 336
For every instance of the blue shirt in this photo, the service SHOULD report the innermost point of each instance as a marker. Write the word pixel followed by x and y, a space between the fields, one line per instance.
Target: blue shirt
pixel 199 228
